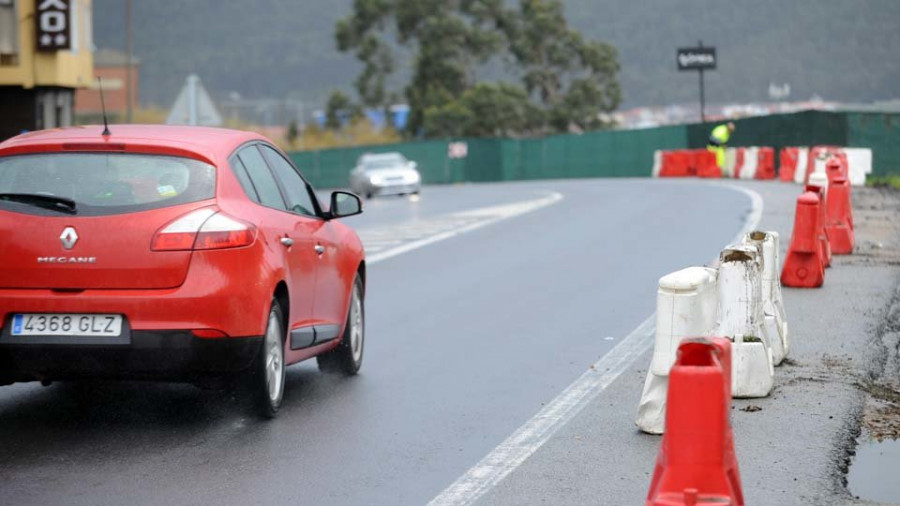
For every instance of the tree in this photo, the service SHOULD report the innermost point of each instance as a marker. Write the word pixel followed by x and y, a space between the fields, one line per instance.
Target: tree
pixel 573 79
pixel 448 38
pixel 576 79
pixel 339 110
pixel 485 110
pixel 293 132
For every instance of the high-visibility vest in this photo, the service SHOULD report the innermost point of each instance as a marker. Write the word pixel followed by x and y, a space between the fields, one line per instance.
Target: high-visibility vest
pixel 720 135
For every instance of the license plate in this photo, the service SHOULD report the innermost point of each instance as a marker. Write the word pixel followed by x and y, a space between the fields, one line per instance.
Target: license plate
pixel 67 325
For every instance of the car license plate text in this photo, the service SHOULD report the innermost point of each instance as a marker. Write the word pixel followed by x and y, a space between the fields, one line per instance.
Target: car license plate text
pixel 67 325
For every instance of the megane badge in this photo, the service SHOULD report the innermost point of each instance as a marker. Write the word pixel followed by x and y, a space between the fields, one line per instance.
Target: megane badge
pixel 68 238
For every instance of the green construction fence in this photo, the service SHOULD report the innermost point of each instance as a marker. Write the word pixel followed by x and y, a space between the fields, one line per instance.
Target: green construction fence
pixel 611 153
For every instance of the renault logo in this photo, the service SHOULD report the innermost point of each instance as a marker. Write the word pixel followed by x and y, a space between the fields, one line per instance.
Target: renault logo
pixel 68 238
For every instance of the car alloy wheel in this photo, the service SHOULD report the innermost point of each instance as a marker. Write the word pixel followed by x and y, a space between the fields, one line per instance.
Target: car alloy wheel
pixel 274 360
pixel 347 356
pixel 267 374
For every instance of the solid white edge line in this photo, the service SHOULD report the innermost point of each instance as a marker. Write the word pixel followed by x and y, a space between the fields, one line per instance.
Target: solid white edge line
pixel 531 205
pixel 529 437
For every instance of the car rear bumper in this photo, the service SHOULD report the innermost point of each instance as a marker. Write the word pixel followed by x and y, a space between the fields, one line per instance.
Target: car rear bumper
pixel 164 355
pixel 220 292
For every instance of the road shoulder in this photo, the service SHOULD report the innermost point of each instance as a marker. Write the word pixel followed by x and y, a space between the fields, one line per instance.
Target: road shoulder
pixel 795 448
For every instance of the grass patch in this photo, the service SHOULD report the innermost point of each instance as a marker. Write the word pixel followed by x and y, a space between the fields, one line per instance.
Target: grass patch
pixel 888 181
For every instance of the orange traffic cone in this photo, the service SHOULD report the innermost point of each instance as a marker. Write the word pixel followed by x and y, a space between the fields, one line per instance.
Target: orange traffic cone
pixel 803 265
pixel 824 245
pixel 697 463
pixel 839 217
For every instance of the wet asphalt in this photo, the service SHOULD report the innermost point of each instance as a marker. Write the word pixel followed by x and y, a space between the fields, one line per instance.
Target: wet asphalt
pixel 466 338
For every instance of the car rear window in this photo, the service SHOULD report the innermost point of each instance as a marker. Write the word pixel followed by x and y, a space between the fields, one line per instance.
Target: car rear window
pixel 105 183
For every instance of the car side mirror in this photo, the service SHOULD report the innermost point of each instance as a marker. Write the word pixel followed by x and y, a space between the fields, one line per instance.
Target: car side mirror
pixel 413 165
pixel 344 204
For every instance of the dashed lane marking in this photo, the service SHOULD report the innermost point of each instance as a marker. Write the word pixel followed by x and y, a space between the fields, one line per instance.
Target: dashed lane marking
pixel 382 243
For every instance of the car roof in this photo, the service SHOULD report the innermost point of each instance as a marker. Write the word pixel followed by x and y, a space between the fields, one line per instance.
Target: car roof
pixel 211 145
pixel 379 157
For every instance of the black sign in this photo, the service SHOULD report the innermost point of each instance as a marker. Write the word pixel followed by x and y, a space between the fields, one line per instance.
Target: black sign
pixel 697 58
pixel 54 25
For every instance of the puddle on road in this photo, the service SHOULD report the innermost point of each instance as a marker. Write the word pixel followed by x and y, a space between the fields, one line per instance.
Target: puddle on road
pixel 873 472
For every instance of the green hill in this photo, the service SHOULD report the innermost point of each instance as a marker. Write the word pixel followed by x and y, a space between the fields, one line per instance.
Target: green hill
pixel 838 49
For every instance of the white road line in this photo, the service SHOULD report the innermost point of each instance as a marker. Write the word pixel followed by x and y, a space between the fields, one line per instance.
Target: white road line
pixel 528 438
pixel 487 215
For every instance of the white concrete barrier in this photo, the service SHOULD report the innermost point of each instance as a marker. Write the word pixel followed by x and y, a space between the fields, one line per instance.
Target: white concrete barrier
pixel 751 163
pixel 859 161
pixel 741 318
pixel 686 305
pixel 802 162
pixel 775 324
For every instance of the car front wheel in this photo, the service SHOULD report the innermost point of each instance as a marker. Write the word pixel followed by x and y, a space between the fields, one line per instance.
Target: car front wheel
pixel 347 357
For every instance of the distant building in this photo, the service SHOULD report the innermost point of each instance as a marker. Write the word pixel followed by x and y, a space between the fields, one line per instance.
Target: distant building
pixel 112 66
pixel 399 115
pixel 45 55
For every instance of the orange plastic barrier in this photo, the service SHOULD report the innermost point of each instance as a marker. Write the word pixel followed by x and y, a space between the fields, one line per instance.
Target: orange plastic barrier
pixel 697 463
pixel 824 245
pixel 765 168
pixel 705 164
pixel 839 209
pixel 837 166
pixel 676 164
pixel 787 163
pixel 804 266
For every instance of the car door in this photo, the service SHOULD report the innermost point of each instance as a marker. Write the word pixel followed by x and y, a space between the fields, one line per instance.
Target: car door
pixel 331 290
pixel 288 233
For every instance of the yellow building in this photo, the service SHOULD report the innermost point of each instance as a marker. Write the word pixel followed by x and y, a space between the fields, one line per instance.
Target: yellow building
pixel 45 54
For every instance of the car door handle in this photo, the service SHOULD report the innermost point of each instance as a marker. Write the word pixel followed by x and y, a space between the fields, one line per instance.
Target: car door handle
pixel 287 241
pixel 320 249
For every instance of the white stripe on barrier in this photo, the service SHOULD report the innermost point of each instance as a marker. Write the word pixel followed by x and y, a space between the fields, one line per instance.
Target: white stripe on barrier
pixel 802 161
pixel 657 163
pixel 751 163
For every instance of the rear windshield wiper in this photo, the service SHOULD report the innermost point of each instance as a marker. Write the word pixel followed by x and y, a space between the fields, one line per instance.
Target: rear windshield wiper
pixel 51 202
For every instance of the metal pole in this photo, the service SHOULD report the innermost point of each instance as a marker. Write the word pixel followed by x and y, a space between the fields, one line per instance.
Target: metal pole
pixel 129 92
pixel 702 98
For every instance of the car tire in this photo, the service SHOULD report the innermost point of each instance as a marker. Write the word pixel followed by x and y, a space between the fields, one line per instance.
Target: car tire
pixel 267 372
pixel 346 357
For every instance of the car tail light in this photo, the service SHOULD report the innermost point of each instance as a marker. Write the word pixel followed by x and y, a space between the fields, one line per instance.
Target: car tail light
pixel 203 229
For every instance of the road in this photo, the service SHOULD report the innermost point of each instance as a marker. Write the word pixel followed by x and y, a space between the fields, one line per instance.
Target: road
pixel 467 338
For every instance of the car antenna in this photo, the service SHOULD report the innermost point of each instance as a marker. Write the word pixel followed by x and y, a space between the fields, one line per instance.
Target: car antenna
pixel 106 132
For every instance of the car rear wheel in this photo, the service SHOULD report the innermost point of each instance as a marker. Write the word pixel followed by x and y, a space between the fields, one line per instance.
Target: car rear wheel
pixel 347 357
pixel 267 373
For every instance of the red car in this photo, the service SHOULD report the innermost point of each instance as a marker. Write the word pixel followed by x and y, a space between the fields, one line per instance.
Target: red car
pixel 172 253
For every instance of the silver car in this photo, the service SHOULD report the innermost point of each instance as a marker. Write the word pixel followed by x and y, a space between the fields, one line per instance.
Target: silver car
pixel 385 174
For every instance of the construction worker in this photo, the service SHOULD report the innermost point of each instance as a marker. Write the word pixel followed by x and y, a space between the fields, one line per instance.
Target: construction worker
pixel 717 141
